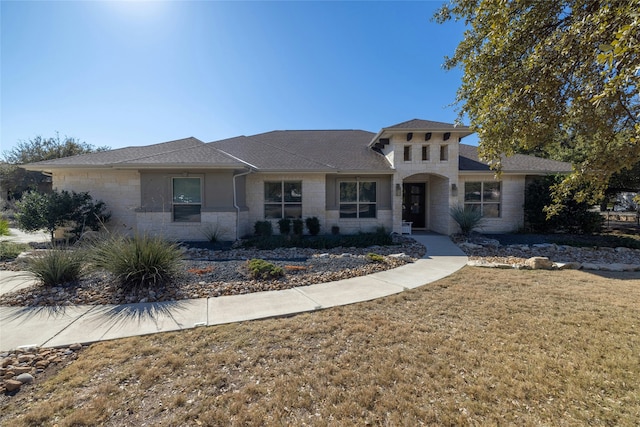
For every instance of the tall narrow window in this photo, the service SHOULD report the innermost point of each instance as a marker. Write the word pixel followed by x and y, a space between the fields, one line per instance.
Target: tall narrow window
pixel 283 199
pixel 425 153
pixel 444 153
pixel 407 153
pixel 358 199
pixel 483 196
pixel 187 199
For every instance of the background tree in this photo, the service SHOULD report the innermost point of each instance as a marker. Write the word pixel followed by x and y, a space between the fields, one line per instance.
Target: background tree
pixel 50 211
pixel 542 76
pixel 17 180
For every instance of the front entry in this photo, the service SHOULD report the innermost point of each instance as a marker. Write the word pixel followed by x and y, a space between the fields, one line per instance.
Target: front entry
pixel 414 203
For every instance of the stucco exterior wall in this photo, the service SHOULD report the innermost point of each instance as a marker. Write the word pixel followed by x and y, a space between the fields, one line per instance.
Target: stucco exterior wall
pixel 512 189
pixel 120 190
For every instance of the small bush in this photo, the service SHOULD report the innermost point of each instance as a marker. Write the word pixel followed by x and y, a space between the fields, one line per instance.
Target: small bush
pixel 4 227
pixel 139 261
pixel 298 227
pixel 212 233
pixel 284 225
pixel 467 218
pixel 56 267
pixel 313 225
pixel 263 228
pixel 263 270
pixel 11 250
pixel 377 258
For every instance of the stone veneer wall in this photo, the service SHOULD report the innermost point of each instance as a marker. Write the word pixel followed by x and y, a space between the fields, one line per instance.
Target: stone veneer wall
pixel 120 190
pixel 160 223
pixel 313 197
pixel 511 203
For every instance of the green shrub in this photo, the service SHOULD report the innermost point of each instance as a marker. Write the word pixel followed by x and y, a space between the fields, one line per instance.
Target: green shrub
pixel 261 269
pixel 572 217
pixel 56 266
pixel 4 227
pixel 373 257
pixel 284 225
pixel 137 262
pixel 313 225
pixel 263 228
pixel 335 230
pixel 49 211
pixel 11 250
pixel 467 218
pixel 298 227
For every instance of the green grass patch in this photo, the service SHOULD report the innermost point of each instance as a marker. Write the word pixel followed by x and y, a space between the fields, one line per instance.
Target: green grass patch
pixel 56 267
pixel 4 227
pixel 10 250
pixel 139 261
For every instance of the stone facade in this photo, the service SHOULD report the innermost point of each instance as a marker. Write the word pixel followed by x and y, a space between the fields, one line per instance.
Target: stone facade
pixel 119 189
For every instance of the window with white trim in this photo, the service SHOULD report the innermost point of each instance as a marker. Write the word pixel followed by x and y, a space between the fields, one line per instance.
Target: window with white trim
pixel 425 153
pixel 282 199
pixel 483 196
pixel 407 153
pixel 187 199
pixel 358 199
pixel 444 153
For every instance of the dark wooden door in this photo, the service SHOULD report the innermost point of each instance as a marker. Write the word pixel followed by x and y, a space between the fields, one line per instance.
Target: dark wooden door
pixel 414 204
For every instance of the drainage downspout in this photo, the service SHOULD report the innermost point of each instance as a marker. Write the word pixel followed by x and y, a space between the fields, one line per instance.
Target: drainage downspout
pixel 235 201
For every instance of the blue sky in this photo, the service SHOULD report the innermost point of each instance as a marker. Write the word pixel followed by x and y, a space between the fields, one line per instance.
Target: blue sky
pixel 142 72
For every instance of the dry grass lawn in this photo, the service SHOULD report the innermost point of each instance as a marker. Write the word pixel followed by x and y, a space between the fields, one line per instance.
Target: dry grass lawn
pixel 481 347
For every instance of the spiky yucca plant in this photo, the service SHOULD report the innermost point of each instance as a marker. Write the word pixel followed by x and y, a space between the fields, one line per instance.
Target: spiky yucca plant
pixel 139 261
pixel 56 266
pixel 467 218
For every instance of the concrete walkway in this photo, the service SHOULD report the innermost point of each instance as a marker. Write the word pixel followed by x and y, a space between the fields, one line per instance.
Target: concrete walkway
pixel 65 325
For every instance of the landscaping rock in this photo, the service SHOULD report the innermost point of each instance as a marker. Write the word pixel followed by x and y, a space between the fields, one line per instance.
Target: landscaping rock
pixel 539 263
pixel 12 385
pixel 572 265
pixel 25 378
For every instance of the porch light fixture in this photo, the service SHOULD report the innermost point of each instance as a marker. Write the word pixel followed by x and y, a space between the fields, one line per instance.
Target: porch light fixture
pixel 446 136
pixel 427 136
pixel 398 190
pixel 409 136
pixel 454 189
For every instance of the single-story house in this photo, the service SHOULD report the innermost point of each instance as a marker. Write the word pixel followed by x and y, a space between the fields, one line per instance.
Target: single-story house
pixel 409 173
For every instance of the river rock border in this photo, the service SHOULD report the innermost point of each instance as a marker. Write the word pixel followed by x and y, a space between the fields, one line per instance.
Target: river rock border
pixel 489 253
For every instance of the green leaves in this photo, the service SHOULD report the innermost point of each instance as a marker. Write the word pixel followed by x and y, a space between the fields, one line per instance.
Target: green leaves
pixel 552 77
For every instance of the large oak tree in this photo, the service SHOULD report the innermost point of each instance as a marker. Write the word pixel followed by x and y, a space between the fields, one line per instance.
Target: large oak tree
pixel 552 76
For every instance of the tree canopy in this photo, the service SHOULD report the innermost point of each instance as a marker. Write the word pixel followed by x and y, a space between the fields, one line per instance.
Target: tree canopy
pixel 551 76
pixel 16 180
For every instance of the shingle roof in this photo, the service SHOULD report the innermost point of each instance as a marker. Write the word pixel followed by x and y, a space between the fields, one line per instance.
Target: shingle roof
pixel 426 125
pixel 307 150
pixel 469 161
pixel 120 155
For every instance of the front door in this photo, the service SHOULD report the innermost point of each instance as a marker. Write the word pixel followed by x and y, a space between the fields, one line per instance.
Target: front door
pixel 413 204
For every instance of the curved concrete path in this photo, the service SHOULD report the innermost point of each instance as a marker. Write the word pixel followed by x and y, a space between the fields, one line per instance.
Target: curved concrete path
pixel 65 325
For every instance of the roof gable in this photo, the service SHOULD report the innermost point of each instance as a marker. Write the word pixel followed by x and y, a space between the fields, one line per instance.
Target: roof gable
pixel 426 125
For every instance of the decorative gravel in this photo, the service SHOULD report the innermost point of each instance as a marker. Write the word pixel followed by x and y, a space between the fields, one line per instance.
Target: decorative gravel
pixel 212 273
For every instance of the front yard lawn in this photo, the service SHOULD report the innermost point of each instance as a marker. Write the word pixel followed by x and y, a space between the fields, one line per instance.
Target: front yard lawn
pixel 481 347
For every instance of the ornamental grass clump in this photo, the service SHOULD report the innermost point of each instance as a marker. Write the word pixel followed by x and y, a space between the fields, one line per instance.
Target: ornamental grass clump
pixel 467 218
pixel 56 267
pixel 139 261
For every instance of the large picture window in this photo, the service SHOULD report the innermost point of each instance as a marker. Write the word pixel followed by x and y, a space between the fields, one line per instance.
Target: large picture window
pixel 187 199
pixel 283 199
pixel 358 199
pixel 484 196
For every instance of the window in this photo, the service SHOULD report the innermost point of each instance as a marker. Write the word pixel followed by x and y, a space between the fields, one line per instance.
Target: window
pixel 425 153
pixel 187 199
pixel 484 196
pixel 283 199
pixel 358 199
pixel 407 153
pixel 444 153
